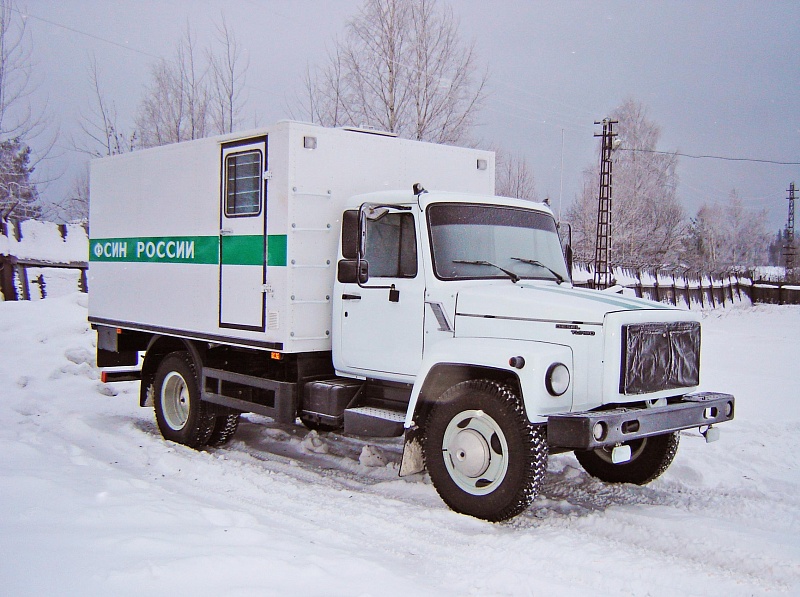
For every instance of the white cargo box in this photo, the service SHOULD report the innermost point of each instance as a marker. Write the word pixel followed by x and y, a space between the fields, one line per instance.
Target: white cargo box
pixel 234 238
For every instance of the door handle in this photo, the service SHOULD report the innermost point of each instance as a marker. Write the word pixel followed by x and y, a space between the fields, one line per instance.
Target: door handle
pixel 225 232
pixel 351 297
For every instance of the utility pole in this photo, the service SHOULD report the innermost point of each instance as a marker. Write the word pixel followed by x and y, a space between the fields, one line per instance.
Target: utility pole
pixel 602 247
pixel 788 248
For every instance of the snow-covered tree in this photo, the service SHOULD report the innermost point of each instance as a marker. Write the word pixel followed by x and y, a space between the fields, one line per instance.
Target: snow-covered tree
pixel 728 236
pixel 513 176
pixel 401 67
pixel 648 223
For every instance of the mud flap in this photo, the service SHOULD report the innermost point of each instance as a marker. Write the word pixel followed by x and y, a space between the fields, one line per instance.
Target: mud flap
pixel 413 459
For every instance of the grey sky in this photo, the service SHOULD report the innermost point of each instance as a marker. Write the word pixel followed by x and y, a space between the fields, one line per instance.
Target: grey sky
pixel 720 78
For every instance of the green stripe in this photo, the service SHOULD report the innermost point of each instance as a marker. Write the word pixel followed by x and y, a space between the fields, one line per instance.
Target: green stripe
pixel 243 250
pixel 236 250
pixel 276 249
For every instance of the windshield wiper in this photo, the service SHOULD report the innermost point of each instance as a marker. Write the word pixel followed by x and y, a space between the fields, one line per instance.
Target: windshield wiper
pixel 559 277
pixel 514 277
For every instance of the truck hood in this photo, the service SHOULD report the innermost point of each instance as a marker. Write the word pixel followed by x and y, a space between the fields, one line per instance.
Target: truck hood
pixel 546 302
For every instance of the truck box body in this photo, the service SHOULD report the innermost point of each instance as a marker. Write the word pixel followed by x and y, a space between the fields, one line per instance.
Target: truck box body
pixel 234 238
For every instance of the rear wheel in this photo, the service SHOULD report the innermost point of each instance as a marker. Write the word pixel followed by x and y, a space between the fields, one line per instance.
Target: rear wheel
pixel 650 457
pixel 485 459
pixel 225 427
pixel 181 416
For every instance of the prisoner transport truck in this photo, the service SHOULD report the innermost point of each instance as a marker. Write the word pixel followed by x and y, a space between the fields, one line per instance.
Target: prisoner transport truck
pixel 376 286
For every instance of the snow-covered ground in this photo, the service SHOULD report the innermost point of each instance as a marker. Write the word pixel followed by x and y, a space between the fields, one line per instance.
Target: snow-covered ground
pixel 94 502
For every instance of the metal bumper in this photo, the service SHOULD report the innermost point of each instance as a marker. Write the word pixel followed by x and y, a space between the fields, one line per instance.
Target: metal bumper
pixel 604 428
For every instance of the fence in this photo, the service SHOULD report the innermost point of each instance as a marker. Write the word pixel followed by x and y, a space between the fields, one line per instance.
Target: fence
pixel 692 290
pixel 39 259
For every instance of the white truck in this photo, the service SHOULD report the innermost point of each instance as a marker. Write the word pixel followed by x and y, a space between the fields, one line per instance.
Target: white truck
pixel 304 272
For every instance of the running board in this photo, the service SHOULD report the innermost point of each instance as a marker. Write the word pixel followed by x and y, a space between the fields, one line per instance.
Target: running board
pixel 369 421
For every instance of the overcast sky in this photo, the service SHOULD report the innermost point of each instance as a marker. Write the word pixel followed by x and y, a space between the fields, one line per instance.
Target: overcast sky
pixel 720 78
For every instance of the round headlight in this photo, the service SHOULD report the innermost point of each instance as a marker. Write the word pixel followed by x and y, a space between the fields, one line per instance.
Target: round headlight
pixel 557 379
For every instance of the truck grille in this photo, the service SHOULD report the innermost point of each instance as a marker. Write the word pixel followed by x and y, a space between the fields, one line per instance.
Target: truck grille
pixel 660 356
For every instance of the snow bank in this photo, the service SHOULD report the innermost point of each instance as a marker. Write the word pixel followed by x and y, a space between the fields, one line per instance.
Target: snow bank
pixel 95 502
pixel 44 241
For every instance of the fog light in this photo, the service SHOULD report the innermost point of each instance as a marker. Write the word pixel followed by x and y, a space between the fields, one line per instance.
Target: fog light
pixel 557 379
pixel 599 431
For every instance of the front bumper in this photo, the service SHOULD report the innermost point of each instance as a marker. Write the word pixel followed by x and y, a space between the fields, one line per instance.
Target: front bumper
pixel 605 428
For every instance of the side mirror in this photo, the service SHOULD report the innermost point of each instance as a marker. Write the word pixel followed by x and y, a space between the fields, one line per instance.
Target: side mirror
pixel 353 271
pixel 350 235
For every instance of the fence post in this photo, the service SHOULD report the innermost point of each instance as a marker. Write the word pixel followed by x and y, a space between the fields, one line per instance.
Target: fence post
pixel 7 286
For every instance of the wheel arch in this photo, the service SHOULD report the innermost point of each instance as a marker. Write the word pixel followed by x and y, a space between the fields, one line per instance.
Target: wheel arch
pixel 159 347
pixel 443 376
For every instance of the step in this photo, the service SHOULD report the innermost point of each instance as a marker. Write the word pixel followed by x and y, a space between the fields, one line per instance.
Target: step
pixel 370 421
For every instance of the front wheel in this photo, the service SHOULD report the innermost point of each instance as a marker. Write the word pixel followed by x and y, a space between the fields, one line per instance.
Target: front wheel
pixel 181 416
pixel 485 459
pixel 650 457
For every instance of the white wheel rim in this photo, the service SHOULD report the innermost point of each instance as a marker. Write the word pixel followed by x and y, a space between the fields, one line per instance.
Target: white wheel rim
pixel 475 452
pixel 175 400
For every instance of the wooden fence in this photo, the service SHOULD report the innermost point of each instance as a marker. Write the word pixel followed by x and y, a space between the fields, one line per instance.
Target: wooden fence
pixel 39 258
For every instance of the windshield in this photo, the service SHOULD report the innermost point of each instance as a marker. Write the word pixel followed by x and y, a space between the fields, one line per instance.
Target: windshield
pixel 486 241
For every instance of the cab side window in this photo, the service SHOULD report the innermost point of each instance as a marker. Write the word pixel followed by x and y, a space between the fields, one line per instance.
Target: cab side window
pixel 392 246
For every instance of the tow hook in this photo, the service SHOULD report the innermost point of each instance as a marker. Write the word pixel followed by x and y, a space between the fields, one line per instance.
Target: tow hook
pixel 711 434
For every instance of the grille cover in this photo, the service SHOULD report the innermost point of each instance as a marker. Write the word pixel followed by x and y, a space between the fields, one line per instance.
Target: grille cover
pixel 660 356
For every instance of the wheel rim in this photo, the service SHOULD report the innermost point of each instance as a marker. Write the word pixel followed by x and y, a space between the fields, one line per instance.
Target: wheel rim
pixel 175 400
pixel 637 447
pixel 475 452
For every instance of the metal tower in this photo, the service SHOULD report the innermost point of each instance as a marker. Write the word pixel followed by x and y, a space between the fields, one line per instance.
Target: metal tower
pixel 602 247
pixel 788 248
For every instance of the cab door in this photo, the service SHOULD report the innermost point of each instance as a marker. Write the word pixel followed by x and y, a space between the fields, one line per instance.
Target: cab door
pixel 381 320
pixel 242 234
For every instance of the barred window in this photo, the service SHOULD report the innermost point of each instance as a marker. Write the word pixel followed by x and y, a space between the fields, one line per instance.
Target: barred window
pixel 243 184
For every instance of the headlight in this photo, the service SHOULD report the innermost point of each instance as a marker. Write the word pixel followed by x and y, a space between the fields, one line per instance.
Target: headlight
pixel 557 379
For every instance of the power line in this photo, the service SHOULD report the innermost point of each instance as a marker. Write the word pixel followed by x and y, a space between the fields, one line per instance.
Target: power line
pixel 78 31
pixel 712 157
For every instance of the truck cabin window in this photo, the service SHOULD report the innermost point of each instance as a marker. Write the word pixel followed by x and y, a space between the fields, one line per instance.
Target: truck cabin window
pixel 243 184
pixel 392 246
pixel 472 241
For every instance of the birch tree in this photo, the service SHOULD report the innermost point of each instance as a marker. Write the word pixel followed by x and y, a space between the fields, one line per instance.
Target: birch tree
pixel 648 223
pixel 228 69
pixel 400 67
pixel 513 176
pixel 101 133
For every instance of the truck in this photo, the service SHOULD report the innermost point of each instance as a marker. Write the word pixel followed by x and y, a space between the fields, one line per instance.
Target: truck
pixel 376 286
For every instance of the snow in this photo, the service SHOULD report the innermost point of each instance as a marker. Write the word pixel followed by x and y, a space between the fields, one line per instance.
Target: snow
pixel 95 502
pixel 43 241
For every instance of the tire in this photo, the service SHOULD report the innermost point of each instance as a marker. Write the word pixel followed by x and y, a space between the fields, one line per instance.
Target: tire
pixel 650 457
pixel 180 414
pixel 484 457
pixel 225 427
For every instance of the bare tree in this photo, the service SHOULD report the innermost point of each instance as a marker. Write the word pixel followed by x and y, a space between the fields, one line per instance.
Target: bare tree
pixel 21 122
pixel 403 68
pixel 728 236
pixel 228 74
pixel 102 135
pixel 648 223
pixel 74 207
pixel 176 103
pixel 513 176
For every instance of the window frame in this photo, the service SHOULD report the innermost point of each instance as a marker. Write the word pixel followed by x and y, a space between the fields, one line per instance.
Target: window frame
pixel 413 233
pixel 226 169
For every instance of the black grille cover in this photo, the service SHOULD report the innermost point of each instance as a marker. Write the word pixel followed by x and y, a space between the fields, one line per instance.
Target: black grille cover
pixel 660 356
